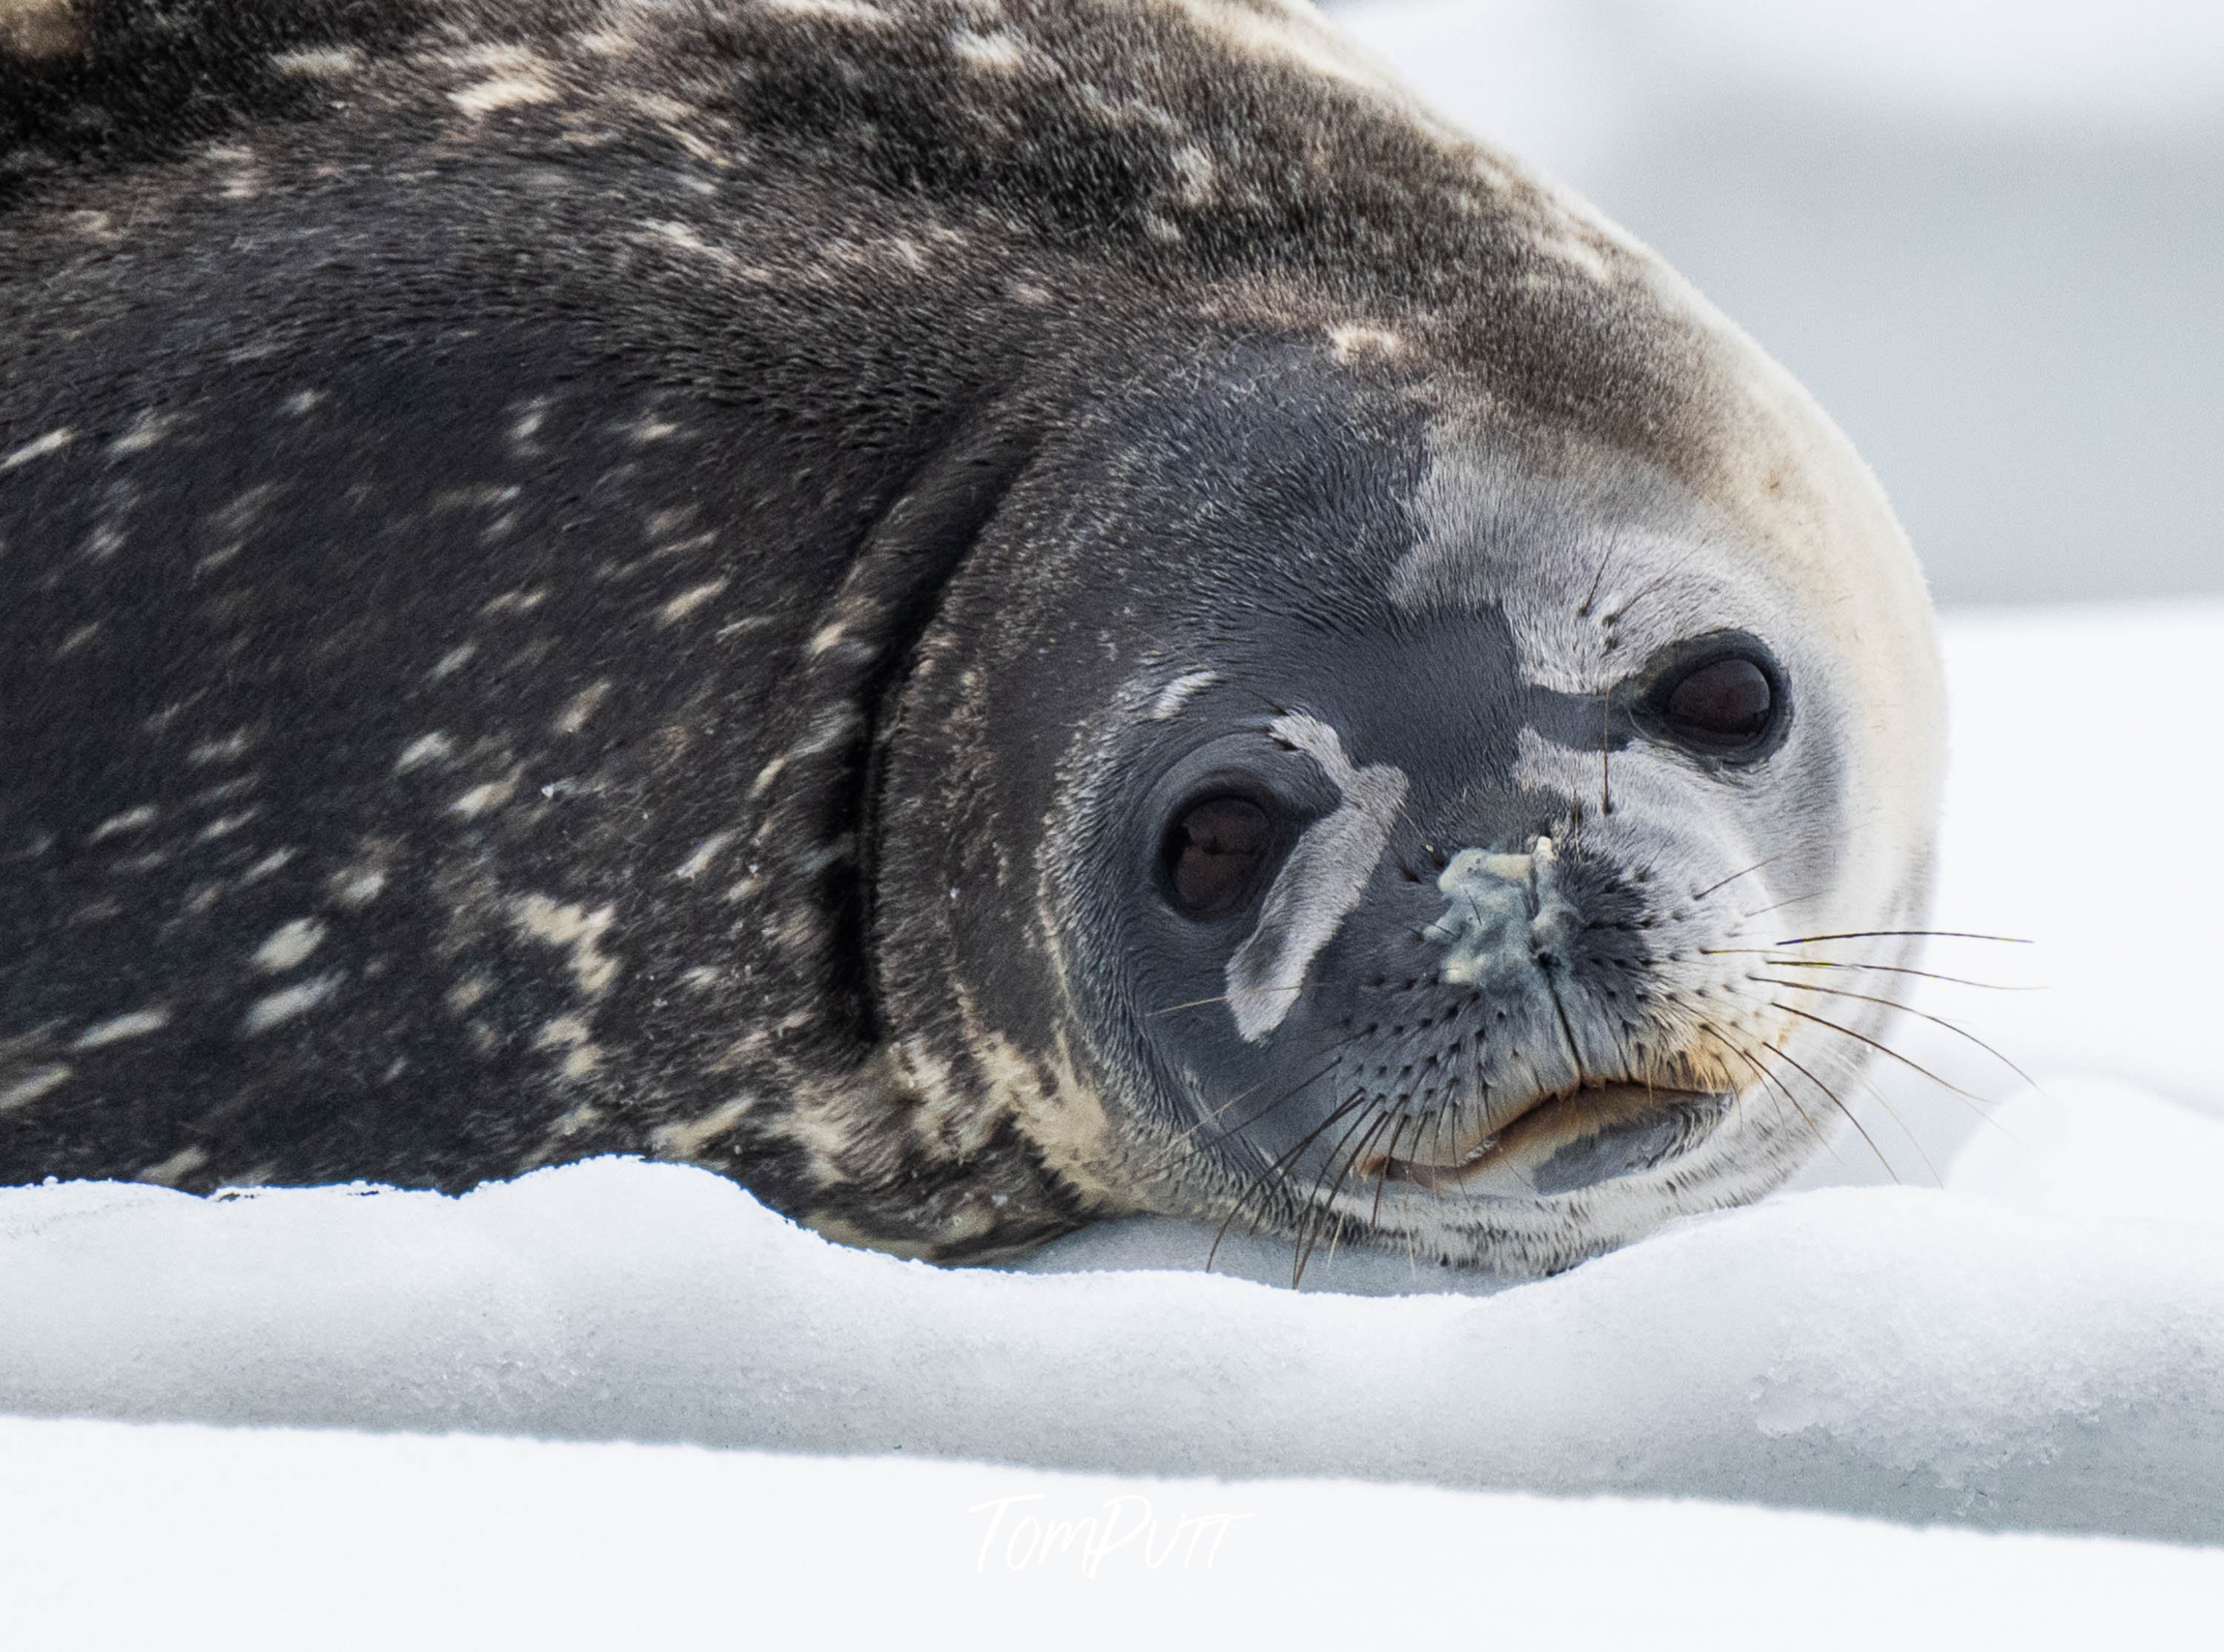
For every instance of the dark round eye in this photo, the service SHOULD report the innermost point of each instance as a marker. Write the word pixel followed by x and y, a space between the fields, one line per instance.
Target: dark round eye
pixel 1216 853
pixel 1722 706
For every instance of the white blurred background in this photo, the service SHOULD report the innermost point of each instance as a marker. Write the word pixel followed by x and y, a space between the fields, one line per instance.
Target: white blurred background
pixel 1988 235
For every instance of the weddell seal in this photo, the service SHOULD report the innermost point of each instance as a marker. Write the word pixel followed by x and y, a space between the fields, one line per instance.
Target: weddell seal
pixel 976 614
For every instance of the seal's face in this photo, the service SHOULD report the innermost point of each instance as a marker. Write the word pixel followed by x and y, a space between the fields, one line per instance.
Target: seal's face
pixel 1472 972
pixel 1435 881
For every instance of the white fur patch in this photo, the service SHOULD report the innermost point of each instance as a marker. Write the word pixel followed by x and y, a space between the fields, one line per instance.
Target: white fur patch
pixel 324 62
pixel 846 11
pixel 288 944
pixel 1180 692
pixel 998 54
pixel 510 91
pixel 53 442
pixel 1318 886
pixel 33 1085
pixel 137 1024
pixel 282 1006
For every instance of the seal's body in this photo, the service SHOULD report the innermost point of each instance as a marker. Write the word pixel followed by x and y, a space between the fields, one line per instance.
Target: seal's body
pixel 976 615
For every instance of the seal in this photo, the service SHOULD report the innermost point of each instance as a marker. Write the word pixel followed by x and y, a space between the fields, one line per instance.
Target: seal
pixel 976 614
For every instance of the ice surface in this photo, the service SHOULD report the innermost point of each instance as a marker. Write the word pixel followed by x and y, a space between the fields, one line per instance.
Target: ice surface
pixel 1893 1352
pixel 2036 1346
pixel 178 1537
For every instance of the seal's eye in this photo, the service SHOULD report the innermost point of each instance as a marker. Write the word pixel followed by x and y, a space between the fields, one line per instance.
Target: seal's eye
pixel 1215 854
pixel 1726 706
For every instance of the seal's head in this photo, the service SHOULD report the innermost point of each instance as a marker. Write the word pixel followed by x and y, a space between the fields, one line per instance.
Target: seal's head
pixel 1406 815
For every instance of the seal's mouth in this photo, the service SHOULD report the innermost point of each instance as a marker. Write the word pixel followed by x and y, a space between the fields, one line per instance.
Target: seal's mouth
pixel 1560 1141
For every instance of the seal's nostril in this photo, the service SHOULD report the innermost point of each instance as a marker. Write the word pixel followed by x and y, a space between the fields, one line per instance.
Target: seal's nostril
pixel 1489 907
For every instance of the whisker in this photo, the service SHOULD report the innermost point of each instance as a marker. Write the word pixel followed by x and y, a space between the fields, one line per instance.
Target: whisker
pixel 1777 906
pixel 1776 961
pixel 1334 1052
pixel 1320 1205
pixel 1357 1154
pixel 1767 1079
pixel 1304 1213
pixel 1278 1167
pixel 1822 1021
pixel 1273 705
pixel 1936 1020
pixel 1182 1142
pixel 1734 876
pixel 1836 1100
pixel 1648 587
pixel 1940 1181
pixel 1886 935
pixel 1382 1177
pixel 1974 1107
pixel 1200 1003
pixel 1583 609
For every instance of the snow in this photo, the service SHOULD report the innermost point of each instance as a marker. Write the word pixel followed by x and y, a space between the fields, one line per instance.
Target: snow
pixel 1894 1352
pixel 2030 1355
pixel 176 1536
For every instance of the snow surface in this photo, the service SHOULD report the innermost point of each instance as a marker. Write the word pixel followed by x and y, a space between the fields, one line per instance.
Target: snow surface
pixel 1889 1352
pixel 2036 1347
pixel 176 1536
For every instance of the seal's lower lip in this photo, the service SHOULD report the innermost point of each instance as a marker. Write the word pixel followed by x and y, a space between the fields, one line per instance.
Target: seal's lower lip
pixel 1560 1141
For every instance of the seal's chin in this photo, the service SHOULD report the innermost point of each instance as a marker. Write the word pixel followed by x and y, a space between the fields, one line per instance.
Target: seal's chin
pixel 1562 1141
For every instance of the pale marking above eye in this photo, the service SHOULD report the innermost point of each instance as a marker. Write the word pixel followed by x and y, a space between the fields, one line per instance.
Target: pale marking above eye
pixel 1180 692
pixel 1319 884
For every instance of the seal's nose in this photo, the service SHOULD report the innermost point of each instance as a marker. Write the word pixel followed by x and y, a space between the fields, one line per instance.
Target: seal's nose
pixel 1506 922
